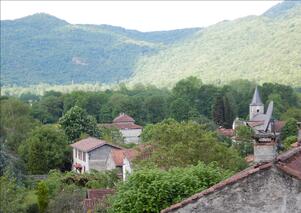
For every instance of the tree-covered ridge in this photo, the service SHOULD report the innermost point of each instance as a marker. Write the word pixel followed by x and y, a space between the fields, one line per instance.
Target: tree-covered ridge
pixel 43 48
pixel 259 48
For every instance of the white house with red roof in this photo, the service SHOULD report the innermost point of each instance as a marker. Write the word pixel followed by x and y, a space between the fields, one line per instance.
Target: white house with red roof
pixel 92 153
pixel 95 154
pixel 130 131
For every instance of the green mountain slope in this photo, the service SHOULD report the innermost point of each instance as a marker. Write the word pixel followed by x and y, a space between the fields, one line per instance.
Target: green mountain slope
pixel 44 49
pixel 263 48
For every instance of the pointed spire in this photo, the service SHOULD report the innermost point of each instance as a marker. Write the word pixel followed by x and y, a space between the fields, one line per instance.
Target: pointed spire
pixel 256 101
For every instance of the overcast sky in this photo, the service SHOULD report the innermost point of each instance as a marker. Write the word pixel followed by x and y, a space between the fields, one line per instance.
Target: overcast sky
pixel 140 15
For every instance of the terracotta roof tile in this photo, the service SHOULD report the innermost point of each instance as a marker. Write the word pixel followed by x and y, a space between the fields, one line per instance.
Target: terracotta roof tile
pixel 255 123
pixel 278 125
pixel 90 143
pixel 131 154
pixel 127 126
pixel 290 162
pixel 123 118
pixel 119 155
pixel 99 193
pixel 226 132
pixel 96 197
pixel 121 126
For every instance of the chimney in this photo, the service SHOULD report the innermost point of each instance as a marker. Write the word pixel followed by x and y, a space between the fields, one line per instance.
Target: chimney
pixel 265 147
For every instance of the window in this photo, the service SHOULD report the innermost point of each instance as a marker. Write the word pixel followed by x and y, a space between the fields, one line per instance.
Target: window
pixel 80 155
pixel 84 156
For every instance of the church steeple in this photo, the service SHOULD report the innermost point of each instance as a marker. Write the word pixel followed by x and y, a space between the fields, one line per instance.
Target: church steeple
pixel 256 106
pixel 256 100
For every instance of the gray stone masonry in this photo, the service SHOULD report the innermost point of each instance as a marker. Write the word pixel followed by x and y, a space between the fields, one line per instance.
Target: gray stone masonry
pixel 267 191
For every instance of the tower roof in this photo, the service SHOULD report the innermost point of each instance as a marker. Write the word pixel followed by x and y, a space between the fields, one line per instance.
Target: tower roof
pixel 256 100
pixel 123 118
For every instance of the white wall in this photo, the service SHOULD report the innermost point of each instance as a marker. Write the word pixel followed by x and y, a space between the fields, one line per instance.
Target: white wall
pixel 131 135
pixel 126 169
pixel 110 164
pixel 253 111
pixel 81 162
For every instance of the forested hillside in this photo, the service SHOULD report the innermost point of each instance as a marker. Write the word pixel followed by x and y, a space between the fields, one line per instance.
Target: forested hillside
pixel 263 48
pixel 42 48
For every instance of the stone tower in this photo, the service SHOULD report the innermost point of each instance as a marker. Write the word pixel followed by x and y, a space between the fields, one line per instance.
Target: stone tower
pixel 256 106
pixel 265 145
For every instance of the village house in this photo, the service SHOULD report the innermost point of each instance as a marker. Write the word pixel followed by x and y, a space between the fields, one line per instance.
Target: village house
pixel 95 154
pixel 271 184
pixel 128 129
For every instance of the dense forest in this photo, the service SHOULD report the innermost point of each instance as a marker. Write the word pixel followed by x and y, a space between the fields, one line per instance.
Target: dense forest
pixel 44 49
pixel 36 131
pixel 262 48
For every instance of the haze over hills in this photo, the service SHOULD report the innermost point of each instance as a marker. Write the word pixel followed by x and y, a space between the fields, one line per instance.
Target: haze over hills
pixel 44 49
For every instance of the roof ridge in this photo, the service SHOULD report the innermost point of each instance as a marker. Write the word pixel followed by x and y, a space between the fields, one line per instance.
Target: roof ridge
pixel 238 176
pixel 289 154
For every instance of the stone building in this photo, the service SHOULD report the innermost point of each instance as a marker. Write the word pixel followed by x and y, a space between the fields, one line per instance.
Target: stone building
pixel 273 186
pixel 258 116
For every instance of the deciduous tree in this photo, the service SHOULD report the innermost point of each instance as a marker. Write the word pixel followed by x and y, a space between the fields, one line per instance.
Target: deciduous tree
pixel 77 121
pixel 46 148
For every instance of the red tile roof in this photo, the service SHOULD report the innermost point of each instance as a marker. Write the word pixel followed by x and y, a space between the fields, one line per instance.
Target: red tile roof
pixel 123 118
pixel 278 125
pixel 96 197
pixel 226 132
pixel 127 126
pixel 98 193
pixel 119 155
pixel 255 123
pixel 90 143
pixel 121 126
pixel 289 162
